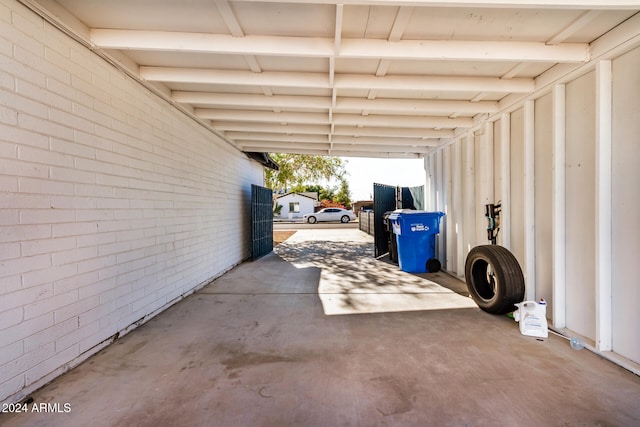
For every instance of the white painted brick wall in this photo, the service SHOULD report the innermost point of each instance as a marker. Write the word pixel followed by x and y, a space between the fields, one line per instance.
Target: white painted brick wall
pixel 112 204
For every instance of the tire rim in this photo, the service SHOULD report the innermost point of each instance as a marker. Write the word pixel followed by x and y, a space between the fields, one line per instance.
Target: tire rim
pixel 485 279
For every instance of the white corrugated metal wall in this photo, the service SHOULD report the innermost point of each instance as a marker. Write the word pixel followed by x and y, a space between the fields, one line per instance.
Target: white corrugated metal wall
pixel 564 165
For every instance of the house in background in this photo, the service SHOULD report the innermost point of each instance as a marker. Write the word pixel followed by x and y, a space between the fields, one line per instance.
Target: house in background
pixel 362 205
pixel 295 205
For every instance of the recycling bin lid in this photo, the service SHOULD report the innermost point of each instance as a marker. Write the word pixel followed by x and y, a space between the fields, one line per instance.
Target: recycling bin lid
pixel 401 212
pixel 398 212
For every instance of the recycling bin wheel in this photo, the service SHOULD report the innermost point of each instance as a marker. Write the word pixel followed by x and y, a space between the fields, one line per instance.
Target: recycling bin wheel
pixel 433 265
pixel 494 278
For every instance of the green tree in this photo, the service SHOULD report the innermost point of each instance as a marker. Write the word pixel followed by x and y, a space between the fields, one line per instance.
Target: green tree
pixel 298 170
pixel 343 196
pixel 323 192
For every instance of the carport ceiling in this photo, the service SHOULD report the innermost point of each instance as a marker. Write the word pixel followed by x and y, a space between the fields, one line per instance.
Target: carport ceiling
pixel 346 78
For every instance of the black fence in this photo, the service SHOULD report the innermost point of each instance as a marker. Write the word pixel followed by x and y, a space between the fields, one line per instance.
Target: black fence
pixel 366 222
pixel 261 221
pixel 384 199
pixel 388 198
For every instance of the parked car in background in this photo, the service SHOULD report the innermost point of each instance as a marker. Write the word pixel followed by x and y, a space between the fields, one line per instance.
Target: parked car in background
pixel 329 214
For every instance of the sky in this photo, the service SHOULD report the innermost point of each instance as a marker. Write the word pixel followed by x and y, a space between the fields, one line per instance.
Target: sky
pixel 363 172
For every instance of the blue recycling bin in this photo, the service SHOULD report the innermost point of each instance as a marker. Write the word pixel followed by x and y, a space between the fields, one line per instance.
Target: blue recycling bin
pixel 416 236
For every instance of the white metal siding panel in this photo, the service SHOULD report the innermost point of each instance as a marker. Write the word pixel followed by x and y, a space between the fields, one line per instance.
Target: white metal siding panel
pixel 626 205
pixel 517 197
pixel 497 172
pixel 468 195
pixel 450 210
pixel 580 205
pixel 113 204
pixel 482 167
pixel 544 199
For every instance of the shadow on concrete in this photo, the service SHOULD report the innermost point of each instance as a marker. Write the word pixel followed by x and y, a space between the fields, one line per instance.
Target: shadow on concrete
pixel 352 281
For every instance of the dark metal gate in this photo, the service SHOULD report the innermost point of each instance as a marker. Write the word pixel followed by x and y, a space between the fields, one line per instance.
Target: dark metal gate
pixel 384 199
pixel 413 198
pixel 261 221
pixel 387 198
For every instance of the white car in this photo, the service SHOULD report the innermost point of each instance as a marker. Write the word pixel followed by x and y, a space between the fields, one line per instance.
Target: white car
pixel 330 214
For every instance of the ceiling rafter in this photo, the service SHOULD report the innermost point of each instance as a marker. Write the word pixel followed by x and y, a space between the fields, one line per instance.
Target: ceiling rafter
pixel 393 132
pixel 583 20
pixel 229 77
pixel 229 18
pixel 342 81
pixel 397 30
pixel 374 120
pixel 512 4
pixel 414 106
pixel 343 104
pixel 251 100
pixel 434 83
pixel 266 136
pixel 288 129
pixel 349 48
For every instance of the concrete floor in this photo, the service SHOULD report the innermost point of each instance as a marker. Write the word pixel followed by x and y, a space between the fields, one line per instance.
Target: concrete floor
pixel 322 334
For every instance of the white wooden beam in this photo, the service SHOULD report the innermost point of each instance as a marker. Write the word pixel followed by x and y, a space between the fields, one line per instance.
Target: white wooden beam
pixel 229 77
pixel 221 99
pixel 342 105
pixel 364 146
pixel 410 84
pixel 500 4
pixel 401 121
pixel 276 146
pixel 414 84
pixel 271 127
pixel 559 303
pixel 378 120
pixel 518 68
pixel 451 50
pixel 529 200
pixel 229 18
pixel 372 140
pixel 173 41
pixel 604 323
pixel 413 106
pixel 276 137
pixel 441 50
pixel 262 116
pixel 393 132
pixel 290 148
pixel 376 154
pixel 337 38
pixel 582 21
pixel 400 23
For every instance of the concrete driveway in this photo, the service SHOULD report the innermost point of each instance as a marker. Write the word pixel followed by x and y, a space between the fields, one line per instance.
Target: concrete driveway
pixel 320 333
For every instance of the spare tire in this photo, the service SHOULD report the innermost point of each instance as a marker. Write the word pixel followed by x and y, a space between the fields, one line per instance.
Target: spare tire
pixel 494 278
